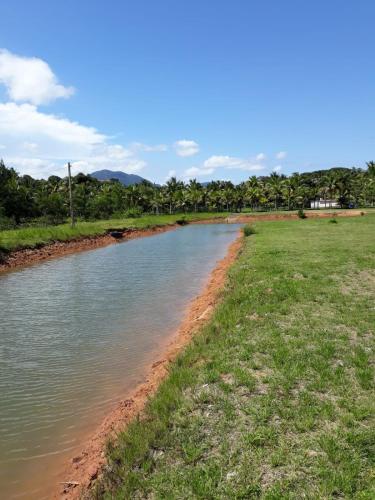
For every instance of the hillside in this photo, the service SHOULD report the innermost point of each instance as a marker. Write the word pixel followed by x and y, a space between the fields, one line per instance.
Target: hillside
pixel 123 177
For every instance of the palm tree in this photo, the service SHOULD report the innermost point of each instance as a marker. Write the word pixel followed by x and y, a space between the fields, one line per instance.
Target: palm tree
pixel 172 188
pixel 288 191
pixel 227 194
pixel 343 186
pixel 331 184
pixel 252 191
pixel 276 184
pixel 194 190
pixel 371 168
pixel 323 189
pixel 213 196
pixel 298 187
pixel 156 201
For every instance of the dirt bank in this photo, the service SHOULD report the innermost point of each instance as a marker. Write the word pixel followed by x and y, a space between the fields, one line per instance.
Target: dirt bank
pixel 245 218
pixel 83 469
pixel 28 256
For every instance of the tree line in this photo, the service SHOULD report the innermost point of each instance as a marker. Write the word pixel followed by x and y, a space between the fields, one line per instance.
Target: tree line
pixel 24 199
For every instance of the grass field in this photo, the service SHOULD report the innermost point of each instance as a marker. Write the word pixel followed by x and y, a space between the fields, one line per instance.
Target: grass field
pixel 274 399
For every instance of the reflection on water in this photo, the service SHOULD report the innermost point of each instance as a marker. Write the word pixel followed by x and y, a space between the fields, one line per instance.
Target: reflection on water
pixel 76 334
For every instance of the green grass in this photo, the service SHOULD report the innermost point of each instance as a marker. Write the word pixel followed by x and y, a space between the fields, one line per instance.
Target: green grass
pixel 274 398
pixel 32 237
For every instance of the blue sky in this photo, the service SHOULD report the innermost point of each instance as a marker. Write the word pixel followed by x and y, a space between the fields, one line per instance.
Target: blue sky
pixel 207 89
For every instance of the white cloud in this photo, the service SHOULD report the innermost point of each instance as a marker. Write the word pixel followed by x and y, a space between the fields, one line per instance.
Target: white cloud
pixel 36 167
pixel 222 161
pixel 24 121
pixel 281 155
pixel 198 172
pixel 277 169
pixel 29 79
pixel 40 144
pixel 117 152
pixel 186 148
pixel 231 162
pixel 30 146
pixel 157 148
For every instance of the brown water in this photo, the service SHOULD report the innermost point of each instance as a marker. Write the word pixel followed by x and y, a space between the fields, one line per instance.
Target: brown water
pixel 76 334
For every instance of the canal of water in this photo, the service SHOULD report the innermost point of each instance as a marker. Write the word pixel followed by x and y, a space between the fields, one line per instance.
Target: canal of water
pixel 76 334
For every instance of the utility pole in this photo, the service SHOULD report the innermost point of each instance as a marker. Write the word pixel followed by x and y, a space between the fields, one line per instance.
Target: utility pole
pixel 72 221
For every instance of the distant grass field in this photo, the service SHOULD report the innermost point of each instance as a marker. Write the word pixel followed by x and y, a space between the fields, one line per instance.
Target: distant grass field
pixel 274 399
pixel 32 237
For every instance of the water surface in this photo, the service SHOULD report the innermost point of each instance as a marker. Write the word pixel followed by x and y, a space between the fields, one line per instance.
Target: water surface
pixel 76 334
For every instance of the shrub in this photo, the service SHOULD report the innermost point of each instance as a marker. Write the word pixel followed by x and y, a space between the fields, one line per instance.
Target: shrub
pixel 301 214
pixel 333 221
pixel 51 220
pixel 248 230
pixel 182 221
pixel 7 223
pixel 132 213
pixel 3 255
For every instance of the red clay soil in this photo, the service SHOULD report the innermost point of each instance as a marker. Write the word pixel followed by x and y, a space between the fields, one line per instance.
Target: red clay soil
pixel 28 256
pixel 84 469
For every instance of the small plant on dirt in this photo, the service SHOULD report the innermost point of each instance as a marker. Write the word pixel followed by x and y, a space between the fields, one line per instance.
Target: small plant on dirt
pixel 3 255
pixel 182 222
pixel 301 214
pixel 333 221
pixel 362 213
pixel 248 230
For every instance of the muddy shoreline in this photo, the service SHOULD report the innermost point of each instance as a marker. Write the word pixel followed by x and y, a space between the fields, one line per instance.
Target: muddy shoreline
pixel 81 473
pixel 28 256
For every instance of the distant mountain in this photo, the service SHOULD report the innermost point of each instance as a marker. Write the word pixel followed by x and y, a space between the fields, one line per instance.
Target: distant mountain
pixel 124 178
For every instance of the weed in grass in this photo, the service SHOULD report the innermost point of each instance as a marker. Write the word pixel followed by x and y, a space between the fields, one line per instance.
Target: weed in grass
pixel 248 230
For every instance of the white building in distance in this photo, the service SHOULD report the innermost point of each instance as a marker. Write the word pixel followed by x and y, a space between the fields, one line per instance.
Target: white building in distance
pixel 324 204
